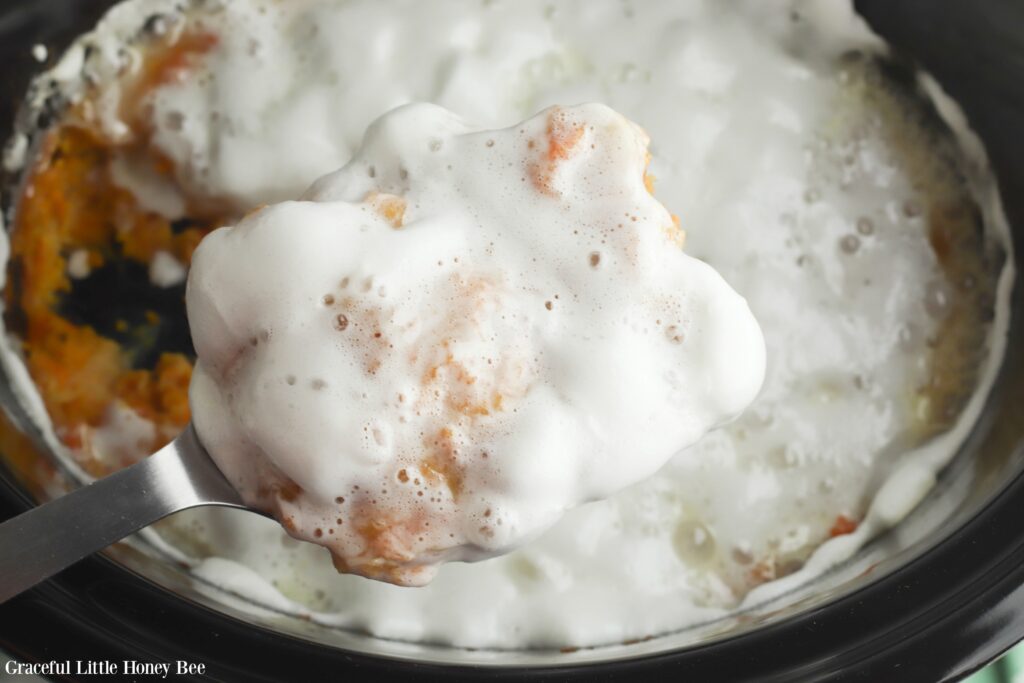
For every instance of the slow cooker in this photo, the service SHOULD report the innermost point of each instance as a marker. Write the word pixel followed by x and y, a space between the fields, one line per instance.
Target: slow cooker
pixel 936 598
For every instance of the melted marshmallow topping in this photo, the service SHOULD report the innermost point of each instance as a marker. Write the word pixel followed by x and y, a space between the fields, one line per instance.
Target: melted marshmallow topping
pixel 458 337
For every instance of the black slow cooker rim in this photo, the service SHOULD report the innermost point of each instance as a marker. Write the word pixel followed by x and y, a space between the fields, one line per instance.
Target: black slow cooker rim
pixel 943 615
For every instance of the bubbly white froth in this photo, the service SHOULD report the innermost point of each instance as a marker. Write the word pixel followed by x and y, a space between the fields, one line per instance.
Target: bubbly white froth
pixel 458 337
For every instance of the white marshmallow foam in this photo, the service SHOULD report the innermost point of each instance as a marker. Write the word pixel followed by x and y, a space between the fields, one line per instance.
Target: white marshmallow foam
pixel 458 337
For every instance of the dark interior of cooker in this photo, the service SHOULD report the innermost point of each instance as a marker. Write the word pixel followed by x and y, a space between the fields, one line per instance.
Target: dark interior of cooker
pixel 958 604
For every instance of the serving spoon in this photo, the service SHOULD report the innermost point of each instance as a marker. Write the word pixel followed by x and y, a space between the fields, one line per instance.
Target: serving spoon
pixel 44 540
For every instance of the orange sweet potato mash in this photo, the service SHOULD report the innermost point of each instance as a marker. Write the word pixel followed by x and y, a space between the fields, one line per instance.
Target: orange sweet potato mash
pixel 69 204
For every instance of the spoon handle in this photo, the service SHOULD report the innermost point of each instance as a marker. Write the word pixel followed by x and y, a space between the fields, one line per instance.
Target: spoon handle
pixel 39 543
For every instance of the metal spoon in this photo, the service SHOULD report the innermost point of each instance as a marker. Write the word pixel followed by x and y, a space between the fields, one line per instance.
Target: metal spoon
pixel 39 543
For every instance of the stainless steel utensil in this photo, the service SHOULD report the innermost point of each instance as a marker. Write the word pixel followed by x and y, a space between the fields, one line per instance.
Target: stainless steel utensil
pixel 39 543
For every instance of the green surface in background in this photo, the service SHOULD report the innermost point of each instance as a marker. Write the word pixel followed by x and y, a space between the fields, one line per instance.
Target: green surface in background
pixel 1009 669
